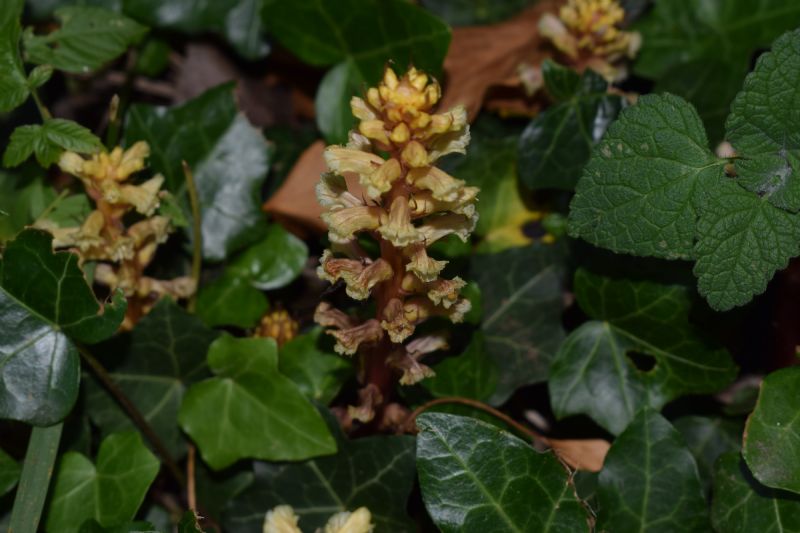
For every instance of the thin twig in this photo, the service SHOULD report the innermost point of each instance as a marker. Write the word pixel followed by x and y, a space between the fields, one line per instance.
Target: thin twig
pixel 197 235
pixel 191 495
pixel 134 414
pixel 528 432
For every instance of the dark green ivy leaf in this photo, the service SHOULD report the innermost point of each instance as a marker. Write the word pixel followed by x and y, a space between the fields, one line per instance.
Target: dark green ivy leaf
pixel 595 371
pixel 708 438
pixel 474 12
pixel 522 303
pixel 89 37
pixel 376 472
pixel 231 300
pixel 741 503
pixel 557 144
pixel 247 387
pixel 317 371
pixel 110 490
pixel 47 141
pixel 475 476
pixel 471 374
pixel 13 84
pixel 227 155
pixel 649 481
pixel 772 438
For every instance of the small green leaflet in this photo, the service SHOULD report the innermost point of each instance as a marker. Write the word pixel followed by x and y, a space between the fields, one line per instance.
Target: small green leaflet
pixel 47 141
pixel 654 188
pixel 89 37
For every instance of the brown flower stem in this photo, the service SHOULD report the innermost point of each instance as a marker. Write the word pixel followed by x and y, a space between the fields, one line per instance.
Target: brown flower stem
pixel 520 428
pixel 134 414
pixel 197 234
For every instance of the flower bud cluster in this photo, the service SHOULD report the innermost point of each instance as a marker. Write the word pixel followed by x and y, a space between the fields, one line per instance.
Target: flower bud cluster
pixel 122 252
pixel 385 184
pixel 588 32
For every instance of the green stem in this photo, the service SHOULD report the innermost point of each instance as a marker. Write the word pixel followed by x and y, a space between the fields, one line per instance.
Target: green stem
pixel 37 470
pixel 46 115
pixel 197 235
pixel 49 209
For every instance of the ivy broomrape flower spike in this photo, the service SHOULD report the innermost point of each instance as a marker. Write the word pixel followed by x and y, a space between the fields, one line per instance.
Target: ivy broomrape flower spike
pixel 405 203
pixel 122 252
pixel 282 519
pixel 588 33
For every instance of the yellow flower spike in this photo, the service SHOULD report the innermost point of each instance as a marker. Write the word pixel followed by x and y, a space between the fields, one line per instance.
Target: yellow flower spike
pixel 360 278
pixel 375 130
pixel 359 521
pixel 380 180
pixel 361 110
pixel 397 227
pixel 144 198
pixel 443 186
pixel 281 519
pixel 400 134
pixel 443 225
pixel 348 340
pixel 374 98
pixel 343 224
pixel 278 325
pixel 424 267
pixel 415 155
pixel 332 193
pixel 390 79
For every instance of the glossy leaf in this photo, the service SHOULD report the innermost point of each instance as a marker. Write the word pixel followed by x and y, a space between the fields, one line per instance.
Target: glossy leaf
pixel 231 300
pixel 474 475
pixel 557 144
pixel 471 374
pixel 641 190
pixel 248 386
pixel 771 438
pixel 741 503
pixel 23 197
pixel 88 38
pixel 709 438
pixel 360 35
pixel 13 83
pixel 376 472
pixel 649 481
pixel 474 12
pixel 110 490
pixel 596 371
pixel 273 262
pixel 9 472
pixel 152 365
pixel 317 371
pixel 47 141
pixel 229 159
pixel 53 286
pixel 522 303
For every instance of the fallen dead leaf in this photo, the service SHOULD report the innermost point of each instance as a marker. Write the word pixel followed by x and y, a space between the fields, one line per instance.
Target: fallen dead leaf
pixel 581 454
pixel 483 58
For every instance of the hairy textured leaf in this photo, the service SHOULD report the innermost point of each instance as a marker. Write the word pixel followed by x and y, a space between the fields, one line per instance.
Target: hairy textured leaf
pixel 376 472
pixel 229 159
pixel 317 371
pixel 474 475
pixel 110 490
pixel 360 34
pixel 249 387
pixel 47 141
pixel 13 84
pixel 471 374
pixel 153 365
pixel 772 439
pixel 708 438
pixel 88 38
pixel 642 188
pixel 595 371
pixel 9 472
pixel 700 50
pixel 557 144
pixel 522 304
pixel 742 504
pixel 649 481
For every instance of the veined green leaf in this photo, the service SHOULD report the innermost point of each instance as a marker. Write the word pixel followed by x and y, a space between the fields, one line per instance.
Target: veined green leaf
pixel 318 373
pixel 471 374
pixel 708 438
pixel 13 83
pixel 47 141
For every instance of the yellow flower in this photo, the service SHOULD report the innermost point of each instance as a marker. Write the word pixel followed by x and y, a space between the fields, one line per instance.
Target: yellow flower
pixel 443 186
pixel 359 521
pixel 425 268
pixel 445 292
pixel 344 223
pixel 348 340
pixel 281 519
pixel 397 227
pixel 116 166
pixel 332 193
pixel 360 277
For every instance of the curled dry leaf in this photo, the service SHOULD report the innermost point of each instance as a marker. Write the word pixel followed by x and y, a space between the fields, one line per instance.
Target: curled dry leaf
pixel 581 454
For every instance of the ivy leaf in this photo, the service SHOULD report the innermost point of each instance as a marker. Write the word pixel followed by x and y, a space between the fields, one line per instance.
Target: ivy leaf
pixel 649 481
pixel 247 387
pixel 375 472
pixel 471 374
pixel 9 472
pixel 89 37
pixel 47 141
pixel 23 197
pixel 642 188
pixel 522 303
pixel 557 144
pixel 771 439
pixel 153 365
pixel 229 159
pixel 273 262
pixel 473 474
pixel 361 36
pixel 93 526
pixel 230 300
pixel 637 324
pixel 741 503
pixel 686 44
pixel 319 373
pixel 471 13
pixel 110 490
pixel 53 286
pixel 13 84
pixel 708 438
